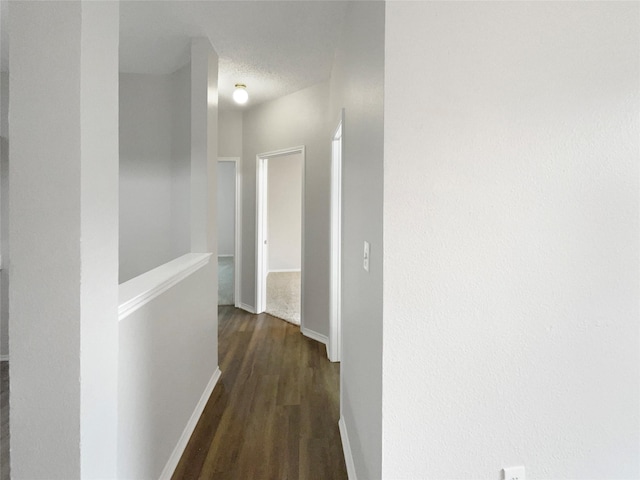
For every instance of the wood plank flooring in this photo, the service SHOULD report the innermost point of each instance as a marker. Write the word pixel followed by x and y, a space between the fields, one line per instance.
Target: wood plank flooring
pixel 4 422
pixel 274 412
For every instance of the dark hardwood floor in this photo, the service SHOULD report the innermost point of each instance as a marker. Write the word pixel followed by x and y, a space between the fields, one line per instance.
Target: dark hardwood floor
pixel 4 423
pixel 274 412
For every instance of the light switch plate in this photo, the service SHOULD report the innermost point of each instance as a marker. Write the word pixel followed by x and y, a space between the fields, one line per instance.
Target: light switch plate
pixel 514 473
pixel 365 262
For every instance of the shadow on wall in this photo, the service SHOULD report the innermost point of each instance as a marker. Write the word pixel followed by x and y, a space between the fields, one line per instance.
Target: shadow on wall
pixel 4 215
pixel 155 169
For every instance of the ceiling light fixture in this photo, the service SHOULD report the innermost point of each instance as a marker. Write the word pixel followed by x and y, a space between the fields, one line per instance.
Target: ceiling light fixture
pixel 240 94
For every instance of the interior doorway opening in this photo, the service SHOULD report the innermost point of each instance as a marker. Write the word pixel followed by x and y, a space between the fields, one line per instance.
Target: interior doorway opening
pixel 280 234
pixel 228 228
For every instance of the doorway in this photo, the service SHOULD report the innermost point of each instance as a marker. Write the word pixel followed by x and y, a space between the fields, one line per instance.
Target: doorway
pixel 228 228
pixel 280 234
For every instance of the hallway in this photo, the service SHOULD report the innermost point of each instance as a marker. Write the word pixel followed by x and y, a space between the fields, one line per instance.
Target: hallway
pixel 274 412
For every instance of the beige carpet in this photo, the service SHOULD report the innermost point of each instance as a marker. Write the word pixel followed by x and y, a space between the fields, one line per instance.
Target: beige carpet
pixel 283 296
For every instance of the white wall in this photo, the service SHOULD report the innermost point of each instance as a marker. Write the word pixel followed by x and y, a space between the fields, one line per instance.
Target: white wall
pixel 169 347
pixel 357 85
pixel 293 120
pixel 4 214
pixel 154 170
pixel 63 217
pixel 230 133
pixel 98 239
pixel 145 173
pixel 168 354
pixel 511 240
pixel 226 206
pixel 204 147
pixel 284 212
pixel 180 161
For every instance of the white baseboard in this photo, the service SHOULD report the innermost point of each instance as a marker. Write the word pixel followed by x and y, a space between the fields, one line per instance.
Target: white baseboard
pixel 4 358
pixel 346 449
pixel 314 335
pixel 285 270
pixel 246 307
pixel 172 463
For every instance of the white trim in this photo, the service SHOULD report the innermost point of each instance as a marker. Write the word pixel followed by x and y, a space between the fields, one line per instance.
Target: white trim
pixel 314 335
pixel 4 358
pixel 226 256
pixel 261 225
pixel 303 235
pixel 246 307
pixel 238 227
pixel 346 449
pixel 140 290
pixel 238 246
pixel 334 347
pixel 172 463
pixel 284 270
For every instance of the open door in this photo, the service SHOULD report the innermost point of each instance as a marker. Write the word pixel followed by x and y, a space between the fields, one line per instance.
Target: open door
pixel 262 222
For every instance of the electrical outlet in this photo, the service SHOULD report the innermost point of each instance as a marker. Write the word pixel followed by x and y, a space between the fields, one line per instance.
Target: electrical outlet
pixel 365 262
pixel 513 473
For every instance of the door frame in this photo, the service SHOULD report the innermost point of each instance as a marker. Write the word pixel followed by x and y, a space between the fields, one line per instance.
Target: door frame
pixel 262 166
pixel 237 254
pixel 334 349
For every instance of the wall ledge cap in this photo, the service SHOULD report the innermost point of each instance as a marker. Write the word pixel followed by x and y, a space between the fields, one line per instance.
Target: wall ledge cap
pixel 140 290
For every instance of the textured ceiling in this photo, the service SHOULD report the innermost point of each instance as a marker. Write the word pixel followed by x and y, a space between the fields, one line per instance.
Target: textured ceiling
pixel 275 48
